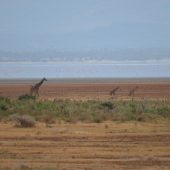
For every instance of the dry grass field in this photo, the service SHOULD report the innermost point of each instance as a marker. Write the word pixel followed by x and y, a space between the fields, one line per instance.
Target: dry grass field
pixel 110 145
pixel 104 146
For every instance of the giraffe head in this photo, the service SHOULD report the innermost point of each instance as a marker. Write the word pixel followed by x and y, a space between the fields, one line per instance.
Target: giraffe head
pixel 44 79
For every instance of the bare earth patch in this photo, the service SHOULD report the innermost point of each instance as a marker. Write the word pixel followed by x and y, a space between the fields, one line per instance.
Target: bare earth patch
pixel 85 90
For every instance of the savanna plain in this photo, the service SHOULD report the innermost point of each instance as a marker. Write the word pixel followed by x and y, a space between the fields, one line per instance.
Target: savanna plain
pixel 80 124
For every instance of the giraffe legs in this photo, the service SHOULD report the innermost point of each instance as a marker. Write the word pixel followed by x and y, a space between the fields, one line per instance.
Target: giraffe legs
pixel 31 90
pixel 37 92
pixel 34 91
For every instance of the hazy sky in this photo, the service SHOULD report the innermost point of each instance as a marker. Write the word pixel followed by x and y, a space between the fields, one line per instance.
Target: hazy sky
pixel 84 24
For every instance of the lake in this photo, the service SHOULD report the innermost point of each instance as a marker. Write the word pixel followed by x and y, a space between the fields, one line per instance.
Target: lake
pixel 14 70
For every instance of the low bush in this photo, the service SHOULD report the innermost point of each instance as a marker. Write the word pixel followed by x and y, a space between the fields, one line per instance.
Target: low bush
pixel 163 110
pixel 107 105
pixel 24 167
pixel 48 119
pixel 26 97
pixel 23 120
pixel 3 107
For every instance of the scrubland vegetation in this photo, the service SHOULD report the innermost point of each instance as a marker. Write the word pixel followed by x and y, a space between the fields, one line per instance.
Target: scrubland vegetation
pixel 83 111
pixel 124 134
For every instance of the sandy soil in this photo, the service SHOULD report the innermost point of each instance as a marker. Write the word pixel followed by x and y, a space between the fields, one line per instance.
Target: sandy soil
pixel 103 146
pixel 99 90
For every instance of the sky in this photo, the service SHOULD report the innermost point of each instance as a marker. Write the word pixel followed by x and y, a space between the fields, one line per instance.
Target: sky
pixel 84 24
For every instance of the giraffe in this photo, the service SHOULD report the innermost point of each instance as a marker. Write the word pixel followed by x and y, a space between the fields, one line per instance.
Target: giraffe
pixel 35 88
pixel 112 92
pixel 132 92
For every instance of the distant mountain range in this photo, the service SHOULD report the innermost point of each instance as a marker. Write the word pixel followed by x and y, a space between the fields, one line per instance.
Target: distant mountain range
pixel 102 55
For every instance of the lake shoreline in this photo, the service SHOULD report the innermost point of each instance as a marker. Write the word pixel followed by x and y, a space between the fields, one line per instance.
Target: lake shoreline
pixel 86 80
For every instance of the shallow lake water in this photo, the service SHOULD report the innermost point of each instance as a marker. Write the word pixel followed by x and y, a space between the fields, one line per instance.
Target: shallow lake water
pixel 10 70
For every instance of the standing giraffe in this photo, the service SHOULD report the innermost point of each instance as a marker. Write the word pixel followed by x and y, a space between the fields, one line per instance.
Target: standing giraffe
pixel 113 92
pixel 35 88
pixel 132 91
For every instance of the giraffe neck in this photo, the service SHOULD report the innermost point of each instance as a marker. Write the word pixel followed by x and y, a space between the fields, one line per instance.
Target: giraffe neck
pixel 40 83
pixel 136 88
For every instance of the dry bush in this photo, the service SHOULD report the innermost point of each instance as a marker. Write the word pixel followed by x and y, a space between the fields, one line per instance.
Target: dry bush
pixel 24 167
pixel 49 119
pixel 23 120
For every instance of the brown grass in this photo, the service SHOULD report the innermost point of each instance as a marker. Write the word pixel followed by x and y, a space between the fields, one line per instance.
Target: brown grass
pixel 93 146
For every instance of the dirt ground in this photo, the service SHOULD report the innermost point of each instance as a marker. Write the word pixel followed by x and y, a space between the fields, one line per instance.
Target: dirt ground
pixel 103 146
pixel 98 90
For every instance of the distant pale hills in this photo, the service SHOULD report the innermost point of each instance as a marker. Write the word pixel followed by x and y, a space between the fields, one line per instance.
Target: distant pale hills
pixel 99 55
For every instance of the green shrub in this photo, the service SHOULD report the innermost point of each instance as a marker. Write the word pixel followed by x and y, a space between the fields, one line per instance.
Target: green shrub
pixel 163 111
pixel 26 97
pixel 107 105
pixel 3 107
